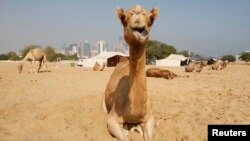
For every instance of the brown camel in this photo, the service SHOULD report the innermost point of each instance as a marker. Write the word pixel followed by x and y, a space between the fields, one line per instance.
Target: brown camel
pixel 157 72
pixel 200 66
pixel 32 56
pixel 98 67
pixel 126 99
pixel 223 64
pixel 190 67
pixel 216 65
pixel 197 67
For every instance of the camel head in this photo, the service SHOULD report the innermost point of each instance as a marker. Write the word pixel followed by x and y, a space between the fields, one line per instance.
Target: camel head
pixel 20 67
pixel 137 22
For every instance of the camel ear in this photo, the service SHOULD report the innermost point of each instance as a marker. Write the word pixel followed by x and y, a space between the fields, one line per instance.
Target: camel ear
pixel 154 14
pixel 120 14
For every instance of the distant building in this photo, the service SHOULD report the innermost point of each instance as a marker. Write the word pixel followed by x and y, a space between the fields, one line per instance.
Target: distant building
pixel 101 46
pixel 94 53
pixel 73 49
pixel 85 49
pixel 118 48
pixel 237 57
pixel 122 46
pixel 63 52
pixel 65 49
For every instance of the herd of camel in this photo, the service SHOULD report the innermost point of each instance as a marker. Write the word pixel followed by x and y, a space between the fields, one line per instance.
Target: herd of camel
pixel 37 54
pixel 126 99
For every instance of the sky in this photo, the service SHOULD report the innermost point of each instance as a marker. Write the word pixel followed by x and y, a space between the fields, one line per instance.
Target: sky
pixel 207 27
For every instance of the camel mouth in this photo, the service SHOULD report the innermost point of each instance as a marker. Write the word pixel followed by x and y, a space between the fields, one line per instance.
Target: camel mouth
pixel 141 30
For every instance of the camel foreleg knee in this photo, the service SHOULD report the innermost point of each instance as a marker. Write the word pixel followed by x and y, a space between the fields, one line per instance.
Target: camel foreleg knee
pixel 148 129
pixel 116 129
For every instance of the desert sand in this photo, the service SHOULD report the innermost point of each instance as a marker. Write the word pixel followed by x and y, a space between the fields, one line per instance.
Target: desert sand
pixel 65 103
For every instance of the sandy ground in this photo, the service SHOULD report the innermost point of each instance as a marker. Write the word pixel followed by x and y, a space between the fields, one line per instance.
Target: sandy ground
pixel 65 104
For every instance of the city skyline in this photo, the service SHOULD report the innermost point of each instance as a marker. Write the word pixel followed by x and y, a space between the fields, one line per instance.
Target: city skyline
pixel 85 49
pixel 208 27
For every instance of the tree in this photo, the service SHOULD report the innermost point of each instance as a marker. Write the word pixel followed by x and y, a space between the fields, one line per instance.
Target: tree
pixel 50 53
pixel 27 48
pixel 13 56
pixel 4 57
pixel 230 58
pixel 62 56
pixel 158 50
pixel 245 56
pixel 184 53
pixel 10 56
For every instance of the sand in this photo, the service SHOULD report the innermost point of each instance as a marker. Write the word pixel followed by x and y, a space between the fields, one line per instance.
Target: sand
pixel 65 104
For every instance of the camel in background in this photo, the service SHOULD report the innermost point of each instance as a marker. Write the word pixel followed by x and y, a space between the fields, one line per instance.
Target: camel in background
pixel 224 64
pixel 32 56
pixel 197 67
pixel 190 67
pixel 157 72
pixel 216 65
pixel 98 67
pixel 126 98
pixel 200 66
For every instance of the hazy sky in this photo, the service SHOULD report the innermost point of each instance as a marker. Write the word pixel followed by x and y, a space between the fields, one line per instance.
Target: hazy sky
pixel 209 27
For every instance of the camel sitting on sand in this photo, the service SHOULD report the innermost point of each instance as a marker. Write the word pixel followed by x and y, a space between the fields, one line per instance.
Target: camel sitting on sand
pixel 98 67
pixel 157 72
pixel 216 65
pixel 200 66
pixel 223 64
pixel 197 67
pixel 32 56
pixel 190 67
pixel 126 97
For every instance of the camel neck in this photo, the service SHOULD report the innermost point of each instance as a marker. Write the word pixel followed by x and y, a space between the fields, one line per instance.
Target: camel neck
pixel 24 59
pixel 137 80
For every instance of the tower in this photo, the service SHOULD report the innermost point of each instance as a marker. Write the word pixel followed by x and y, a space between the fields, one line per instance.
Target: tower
pixel 101 46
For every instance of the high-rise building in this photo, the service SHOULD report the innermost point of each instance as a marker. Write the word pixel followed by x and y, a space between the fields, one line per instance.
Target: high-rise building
pixel 73 49
pixel 84 49
pixel 122 46
pixel 94 52
pixel 101 46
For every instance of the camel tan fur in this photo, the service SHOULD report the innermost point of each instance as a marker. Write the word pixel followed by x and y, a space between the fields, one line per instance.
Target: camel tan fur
pixel 126 98
pixel 200 66
pixel 197 67
pixel 103 66
pixel 216 65
pixel 157 72
pixel 223 65
pixel 190 67
pixel 32 56
pixel 98 67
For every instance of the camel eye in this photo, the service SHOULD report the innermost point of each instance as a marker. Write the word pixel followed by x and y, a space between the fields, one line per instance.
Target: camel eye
pixel 131 13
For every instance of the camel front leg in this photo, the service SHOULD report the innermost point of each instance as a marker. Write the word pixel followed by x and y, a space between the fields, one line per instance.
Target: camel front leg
pixel 45 66
pixel 34 66
pixel 40 64
pixel 116 129
pixel 148 129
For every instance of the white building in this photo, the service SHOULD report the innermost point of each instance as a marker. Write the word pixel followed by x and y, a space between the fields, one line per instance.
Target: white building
pixel 84 49
pixel 73 49
pixel 101 46
pixel 94 52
